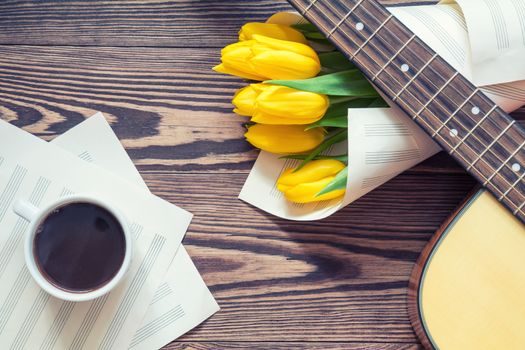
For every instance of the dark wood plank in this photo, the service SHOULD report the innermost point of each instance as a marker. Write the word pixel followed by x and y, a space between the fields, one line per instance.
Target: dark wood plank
pixel 167 105
pixel 166 23
pixel 340 279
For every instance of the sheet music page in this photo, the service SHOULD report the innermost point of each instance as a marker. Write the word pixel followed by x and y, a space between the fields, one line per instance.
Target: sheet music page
pixel 386 134
pixel 182 300
pixel 382 143
pixel 444 28
pixel 496 32
pixel 30 318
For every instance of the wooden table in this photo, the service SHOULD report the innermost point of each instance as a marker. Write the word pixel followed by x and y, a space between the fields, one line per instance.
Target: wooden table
pixel 337 283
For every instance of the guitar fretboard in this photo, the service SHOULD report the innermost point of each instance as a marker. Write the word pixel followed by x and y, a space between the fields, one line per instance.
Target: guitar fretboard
pixel 484 139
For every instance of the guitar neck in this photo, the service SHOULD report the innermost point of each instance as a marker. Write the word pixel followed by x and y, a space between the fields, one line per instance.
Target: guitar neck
pixel 484 139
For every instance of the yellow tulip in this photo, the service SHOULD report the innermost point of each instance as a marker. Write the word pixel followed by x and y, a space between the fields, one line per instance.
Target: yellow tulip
pixel 281 105
pixel 284 139
pixel 276 31
pixel 236 61
pixel 244 100
pixel 303 185
pixel 265 58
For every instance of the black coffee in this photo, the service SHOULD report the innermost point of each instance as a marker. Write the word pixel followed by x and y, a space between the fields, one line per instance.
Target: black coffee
pixel 79 247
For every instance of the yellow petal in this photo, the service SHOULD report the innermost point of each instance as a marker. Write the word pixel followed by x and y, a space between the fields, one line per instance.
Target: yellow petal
pixel 284 65
pixel 263 118
pixel 284 139
pixel 276 31
pixel 285 45
pixel 291 103
pixel 306 192
pixel 312 171
pixel 244 100
pixel 238 59
pixel 221 68
pixel 235 46
pixel 283 188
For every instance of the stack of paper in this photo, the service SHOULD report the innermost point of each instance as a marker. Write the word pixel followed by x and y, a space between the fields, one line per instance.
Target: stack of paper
pixel 162 296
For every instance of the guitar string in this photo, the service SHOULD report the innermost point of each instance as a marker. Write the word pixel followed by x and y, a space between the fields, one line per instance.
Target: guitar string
pixel 503 194
pixel 504 164
pixel 467 101
pixel 424 121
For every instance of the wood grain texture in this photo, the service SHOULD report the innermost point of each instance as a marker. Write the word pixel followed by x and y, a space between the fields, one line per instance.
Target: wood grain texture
pixel 339 283
pixel 166 23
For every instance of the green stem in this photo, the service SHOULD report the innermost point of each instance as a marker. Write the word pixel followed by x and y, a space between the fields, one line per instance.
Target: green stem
pixel 340 99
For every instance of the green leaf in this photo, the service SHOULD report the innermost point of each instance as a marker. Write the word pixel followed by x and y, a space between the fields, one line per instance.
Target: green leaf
pixel 305 27
pixel 338 183
pixel 378 102
pixel 335 61
pixel 338 136
pixel 337 122
pixel 314 35
pixel 342 158
pixel 346 83
pixel 337 114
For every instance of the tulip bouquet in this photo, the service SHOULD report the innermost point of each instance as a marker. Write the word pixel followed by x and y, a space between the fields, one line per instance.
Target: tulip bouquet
pixel 298 103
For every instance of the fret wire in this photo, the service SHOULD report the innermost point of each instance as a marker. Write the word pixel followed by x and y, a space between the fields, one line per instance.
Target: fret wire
pixel 344 19
pixel 492 143
pixel 373 34
pixel 414 77
pixel 469 132
pixel 453 149
pixel 474 128
pixel 446 84
pixel 424 107
pixel 467 101
pixel 424 121
pixel 437 93
pixel 457 110
pixel 506 161
pixel 519 208
pixel 512 186
pixel 308 7
pixel 393 57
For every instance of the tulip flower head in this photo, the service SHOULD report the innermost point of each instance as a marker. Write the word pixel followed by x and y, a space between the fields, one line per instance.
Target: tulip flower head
pixel 280 105
pixel 284 139
pixel 303 185
pixel 265 58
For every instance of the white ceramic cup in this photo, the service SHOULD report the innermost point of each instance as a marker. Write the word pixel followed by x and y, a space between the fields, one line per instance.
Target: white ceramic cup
pixel 36 216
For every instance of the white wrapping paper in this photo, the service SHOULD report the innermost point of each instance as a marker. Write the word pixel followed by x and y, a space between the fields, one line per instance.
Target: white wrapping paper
pixel 383 142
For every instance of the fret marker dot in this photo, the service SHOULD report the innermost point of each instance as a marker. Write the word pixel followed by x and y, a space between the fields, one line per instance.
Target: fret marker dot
pixel 359 26
pixel 516 167
pixel 475 110
pixel 453 133
pixel 405 67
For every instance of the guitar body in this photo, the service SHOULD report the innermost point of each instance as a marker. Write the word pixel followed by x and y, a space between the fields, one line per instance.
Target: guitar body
pixel 467 289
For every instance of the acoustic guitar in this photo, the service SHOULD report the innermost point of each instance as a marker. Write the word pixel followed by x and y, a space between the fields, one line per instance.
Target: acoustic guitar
pixel 468 288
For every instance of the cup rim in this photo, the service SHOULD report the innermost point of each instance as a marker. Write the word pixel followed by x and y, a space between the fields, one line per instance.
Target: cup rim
pixel 37 275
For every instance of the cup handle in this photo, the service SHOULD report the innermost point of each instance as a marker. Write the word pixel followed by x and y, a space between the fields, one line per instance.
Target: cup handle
pixel 25 210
